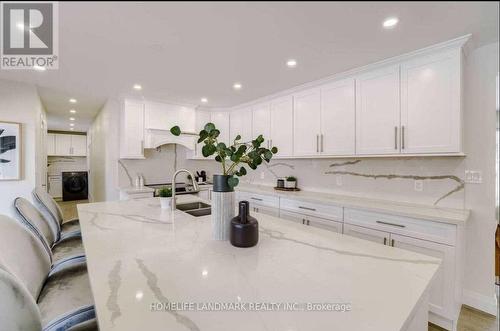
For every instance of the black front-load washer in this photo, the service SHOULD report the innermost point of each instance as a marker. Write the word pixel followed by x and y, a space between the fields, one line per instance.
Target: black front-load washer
pixel 75 185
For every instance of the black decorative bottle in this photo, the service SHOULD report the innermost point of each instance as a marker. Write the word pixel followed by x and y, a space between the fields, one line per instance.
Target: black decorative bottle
pixel 244 228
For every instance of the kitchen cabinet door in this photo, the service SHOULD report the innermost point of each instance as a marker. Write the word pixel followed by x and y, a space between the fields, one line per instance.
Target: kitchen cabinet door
pixel 379 237
pixel 294 217
pixel 63 144
pixel 430 104
pixel 261 122
pixel 306 123
pixel 221 121
pixel 378 112
pixel 442 292
pixel 78 145
pixel 241 124
pixel 324 224
pixel 132 130
pixel 51 144
pixel 202 118
pixel 282 125
pixel 338 113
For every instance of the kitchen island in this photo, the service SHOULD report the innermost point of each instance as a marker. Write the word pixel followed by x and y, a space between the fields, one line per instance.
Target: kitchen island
pixel 154 269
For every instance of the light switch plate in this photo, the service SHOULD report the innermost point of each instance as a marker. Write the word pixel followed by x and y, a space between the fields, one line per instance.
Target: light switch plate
pixel 419 185
pixel 473 177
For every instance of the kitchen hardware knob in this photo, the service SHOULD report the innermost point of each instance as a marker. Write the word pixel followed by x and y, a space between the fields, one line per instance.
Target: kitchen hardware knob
pixel 391 224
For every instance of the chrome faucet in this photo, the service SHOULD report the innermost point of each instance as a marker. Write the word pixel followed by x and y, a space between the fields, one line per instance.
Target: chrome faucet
pixel 195 185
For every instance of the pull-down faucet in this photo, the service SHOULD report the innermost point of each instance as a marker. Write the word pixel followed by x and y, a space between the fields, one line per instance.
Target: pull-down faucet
pixel 195 185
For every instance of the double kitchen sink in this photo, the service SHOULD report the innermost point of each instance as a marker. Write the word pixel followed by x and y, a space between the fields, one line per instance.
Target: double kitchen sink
pixel 195 209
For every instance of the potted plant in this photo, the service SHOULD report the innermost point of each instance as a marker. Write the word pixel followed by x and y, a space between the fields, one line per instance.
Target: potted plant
pixel 233 159
pixel 165 194
pixel 291 182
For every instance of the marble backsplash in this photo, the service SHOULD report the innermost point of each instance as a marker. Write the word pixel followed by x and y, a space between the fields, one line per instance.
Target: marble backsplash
pixel 380 178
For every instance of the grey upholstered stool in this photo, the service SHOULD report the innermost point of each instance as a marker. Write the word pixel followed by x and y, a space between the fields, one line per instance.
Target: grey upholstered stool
pixel 55 212
pixel 34 295
pixel 67 246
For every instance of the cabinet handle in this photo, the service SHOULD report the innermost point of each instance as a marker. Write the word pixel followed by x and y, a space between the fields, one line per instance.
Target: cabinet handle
pixel 322 143
pixel 392 242
pixel 391 224
pixel 303 221
pixel 307 222
pixel 385 241
pixel 258 199
pixel 307 208
pixel 403 137
pixel 395 137
pixel 317 143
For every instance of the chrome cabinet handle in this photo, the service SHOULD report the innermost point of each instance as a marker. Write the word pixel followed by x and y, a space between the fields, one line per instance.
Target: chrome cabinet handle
pixel 307 222
pixel 303 221
pixel 307 208
pixel 391 224
pixel 403 137
pixel 322 143
pixel 385 241
pixel 317 143
pixel 392 242
pixel 258 199
pixel 395 137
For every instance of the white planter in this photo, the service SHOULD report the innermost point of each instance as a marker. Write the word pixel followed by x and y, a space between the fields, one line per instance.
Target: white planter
pixel 223 210
pixel 166 203
pixel 289 184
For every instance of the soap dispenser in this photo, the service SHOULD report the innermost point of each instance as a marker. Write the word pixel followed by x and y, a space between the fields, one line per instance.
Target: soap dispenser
pixel 244 228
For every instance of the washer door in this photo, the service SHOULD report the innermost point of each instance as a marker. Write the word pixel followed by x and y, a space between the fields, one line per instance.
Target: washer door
pixel 75 184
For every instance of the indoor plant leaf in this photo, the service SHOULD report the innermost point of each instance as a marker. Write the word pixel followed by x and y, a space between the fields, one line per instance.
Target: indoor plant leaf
pixel 176 131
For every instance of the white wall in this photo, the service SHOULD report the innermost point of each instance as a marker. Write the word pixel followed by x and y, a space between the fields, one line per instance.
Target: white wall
pixel 481 69
pixel 20 103
pixel 103 137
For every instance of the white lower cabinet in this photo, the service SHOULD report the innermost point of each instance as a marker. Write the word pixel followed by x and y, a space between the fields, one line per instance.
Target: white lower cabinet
pixel 308 220
pixel 366 234
pixel 271 211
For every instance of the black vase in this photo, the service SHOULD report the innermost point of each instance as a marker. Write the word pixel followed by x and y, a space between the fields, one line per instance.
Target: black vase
pixel 220 184
pixel 244 228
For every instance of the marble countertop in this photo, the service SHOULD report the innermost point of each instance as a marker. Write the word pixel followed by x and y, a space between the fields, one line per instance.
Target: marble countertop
pixel 141 258
pixel 443 215
pixel 133 189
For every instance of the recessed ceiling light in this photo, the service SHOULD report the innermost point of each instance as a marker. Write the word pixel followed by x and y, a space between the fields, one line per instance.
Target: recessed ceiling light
pixel 72 111
pixel 137 87
pixel 237 86
pixel 204 100
pixel 39 68
pixel 72 100
pixel 390 22
pixel 291 63
pixel 71 118
pixel 71 124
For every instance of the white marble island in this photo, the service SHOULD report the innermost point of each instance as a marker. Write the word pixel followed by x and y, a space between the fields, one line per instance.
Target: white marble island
pixel 140 258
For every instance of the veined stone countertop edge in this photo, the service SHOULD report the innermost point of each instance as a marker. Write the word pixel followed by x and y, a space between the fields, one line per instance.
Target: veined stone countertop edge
pixel 419 211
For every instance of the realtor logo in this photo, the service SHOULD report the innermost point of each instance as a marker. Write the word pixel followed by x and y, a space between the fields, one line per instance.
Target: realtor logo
pixel 29 35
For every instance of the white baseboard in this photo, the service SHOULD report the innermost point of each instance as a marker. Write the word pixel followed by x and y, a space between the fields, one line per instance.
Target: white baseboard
pixel 480 302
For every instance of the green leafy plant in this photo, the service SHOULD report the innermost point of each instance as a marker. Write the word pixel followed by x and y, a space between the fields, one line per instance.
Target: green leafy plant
pixel 234 156
pixel 291 179
pixel 165 192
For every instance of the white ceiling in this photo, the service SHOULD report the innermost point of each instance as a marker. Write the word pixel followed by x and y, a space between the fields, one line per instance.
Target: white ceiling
pixel 182 51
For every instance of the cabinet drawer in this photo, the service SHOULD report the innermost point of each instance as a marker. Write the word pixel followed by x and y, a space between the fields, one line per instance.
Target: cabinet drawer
pixel 307 208
pixel 312 221
pixel 259 199
pixel 271 211
pixel 411 227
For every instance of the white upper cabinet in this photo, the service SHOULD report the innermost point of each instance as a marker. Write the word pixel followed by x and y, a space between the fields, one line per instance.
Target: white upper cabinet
pixel 162 116
pixel 132 130
pixel 282 125
pixel 378 112
pixel 221 121
pixel 51 144
pixel 241 124
pixel 338 114
pixel 430 104
pixel 63 144
pixel 306 123
pixel 78 145
pixel 261 122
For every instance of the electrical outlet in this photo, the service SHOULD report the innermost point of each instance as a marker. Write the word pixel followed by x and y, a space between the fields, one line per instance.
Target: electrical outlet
pixel 473 177
pixel 338 180
pixel 419 185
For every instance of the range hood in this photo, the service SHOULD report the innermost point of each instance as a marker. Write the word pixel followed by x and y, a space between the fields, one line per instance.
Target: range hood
pixel 154 138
